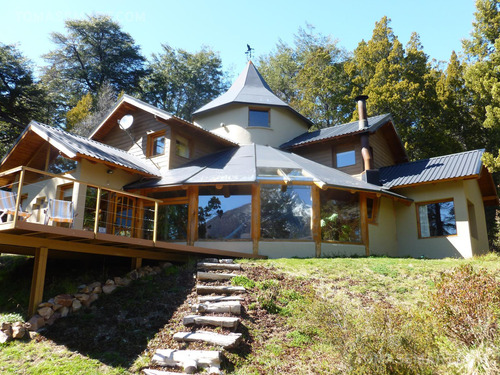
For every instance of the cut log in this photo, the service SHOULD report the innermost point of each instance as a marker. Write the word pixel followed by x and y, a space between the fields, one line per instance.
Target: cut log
pixel 209 260
pixel 148 371
pixel 228 341
pixel 219 266
pixel 207 289
pixel 189 360
pixel 214 276
pixel 231 307
pixel 226 261
pixel 218 321
pixel 203 299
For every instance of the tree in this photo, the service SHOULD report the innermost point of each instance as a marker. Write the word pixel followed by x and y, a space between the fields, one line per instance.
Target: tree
pixel 181 82
pixel 93 52
pixel 21 97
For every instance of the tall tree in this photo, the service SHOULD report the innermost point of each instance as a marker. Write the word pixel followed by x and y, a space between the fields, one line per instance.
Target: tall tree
pixel 181 82
pixel 92 52
pixel 21 97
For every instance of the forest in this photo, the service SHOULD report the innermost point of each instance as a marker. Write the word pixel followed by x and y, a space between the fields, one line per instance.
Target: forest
pixel 438 108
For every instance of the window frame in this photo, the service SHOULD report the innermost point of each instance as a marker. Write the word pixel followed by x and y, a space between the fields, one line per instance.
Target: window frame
pixel 426 203
pixel 257 109
pixel 353 151
pixel 151 141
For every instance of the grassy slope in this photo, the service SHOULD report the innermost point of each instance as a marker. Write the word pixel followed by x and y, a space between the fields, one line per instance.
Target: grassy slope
pixel 323 311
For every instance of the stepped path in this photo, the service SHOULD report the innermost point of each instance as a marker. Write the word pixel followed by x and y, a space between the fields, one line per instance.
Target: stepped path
pixel 217 306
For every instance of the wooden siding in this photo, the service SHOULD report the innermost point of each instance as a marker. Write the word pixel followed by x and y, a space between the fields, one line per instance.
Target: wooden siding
pixel 348 146
pixel 198 147
pixel 320 153
pixel 382 155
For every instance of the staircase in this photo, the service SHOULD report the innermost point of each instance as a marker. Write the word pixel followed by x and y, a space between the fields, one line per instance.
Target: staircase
pixel 218 304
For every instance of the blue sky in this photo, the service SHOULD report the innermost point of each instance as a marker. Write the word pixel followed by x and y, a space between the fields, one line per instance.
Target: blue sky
pixel 227 26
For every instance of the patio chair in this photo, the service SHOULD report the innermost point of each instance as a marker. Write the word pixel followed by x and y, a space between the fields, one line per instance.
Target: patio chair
pixel 8 206
pixel 60 211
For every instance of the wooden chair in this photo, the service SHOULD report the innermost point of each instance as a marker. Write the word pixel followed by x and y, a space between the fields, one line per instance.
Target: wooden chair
pixel 8 206
pixel 60 211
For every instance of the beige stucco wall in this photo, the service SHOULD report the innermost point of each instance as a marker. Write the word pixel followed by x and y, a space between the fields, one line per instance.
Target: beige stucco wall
pixel 473 194
pixel 382 234
pixel 287 249
pixel 457 246
pixel 284 125
pixel 329 249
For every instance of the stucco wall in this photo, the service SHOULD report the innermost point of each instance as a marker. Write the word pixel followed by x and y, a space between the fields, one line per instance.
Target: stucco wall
pixel 457 246
pixel 284 125
pixel 473 194
pixel 240 246
pixel 383 234
pixel 329 249
pixel 284 249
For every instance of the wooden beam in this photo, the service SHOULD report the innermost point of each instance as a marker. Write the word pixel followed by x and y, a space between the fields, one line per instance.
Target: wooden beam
pixel 38 279
pixel 316 220
pixel 192 228
pixel 255 220
pixel 136 263
pixel 19 195
pixel 364 223
pixel 97 209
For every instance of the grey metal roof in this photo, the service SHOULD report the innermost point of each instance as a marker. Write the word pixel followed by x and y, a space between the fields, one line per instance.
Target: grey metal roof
pixel 73 145
pixel 241 165
pixel 249 88
pixel 374 123
pixel 445 167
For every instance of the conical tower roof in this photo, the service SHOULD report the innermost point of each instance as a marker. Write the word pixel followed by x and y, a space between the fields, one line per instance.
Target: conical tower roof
pixel 249 88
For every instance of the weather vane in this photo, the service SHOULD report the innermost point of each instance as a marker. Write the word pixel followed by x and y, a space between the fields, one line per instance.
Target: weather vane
pixel 249 52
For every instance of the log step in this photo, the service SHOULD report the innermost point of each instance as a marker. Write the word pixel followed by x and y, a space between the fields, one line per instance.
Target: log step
pixel 207 289
pixel 219 266
pixel 149 371
pixel 231 307
pixel 217 260
pixel 189 360
pixel 218 321
pixel 214 276
pixel 203 299
pixel 228 341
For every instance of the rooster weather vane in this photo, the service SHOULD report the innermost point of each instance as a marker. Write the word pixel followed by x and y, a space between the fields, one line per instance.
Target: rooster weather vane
pixel 249 52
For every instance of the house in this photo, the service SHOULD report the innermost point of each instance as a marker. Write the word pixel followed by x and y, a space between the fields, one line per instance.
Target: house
pixel 245 178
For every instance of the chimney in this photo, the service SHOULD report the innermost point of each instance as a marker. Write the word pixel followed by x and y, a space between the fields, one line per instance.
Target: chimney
pixel 363 122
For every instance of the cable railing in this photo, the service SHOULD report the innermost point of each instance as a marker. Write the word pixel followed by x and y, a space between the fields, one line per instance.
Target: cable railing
pixel 35 196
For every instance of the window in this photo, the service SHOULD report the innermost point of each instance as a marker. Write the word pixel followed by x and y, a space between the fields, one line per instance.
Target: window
pixel 156 144
pixel 172 222
pixel 285 212
pixel 345 159
pixel 436 219
pixel 372 206
pixel 258 117
pixel 340 216
pixel 182 147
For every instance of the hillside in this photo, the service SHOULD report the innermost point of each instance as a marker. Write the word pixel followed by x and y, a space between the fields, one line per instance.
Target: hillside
pixel 303 316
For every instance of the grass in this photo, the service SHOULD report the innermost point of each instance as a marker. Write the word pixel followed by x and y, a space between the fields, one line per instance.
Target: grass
pixel 303 316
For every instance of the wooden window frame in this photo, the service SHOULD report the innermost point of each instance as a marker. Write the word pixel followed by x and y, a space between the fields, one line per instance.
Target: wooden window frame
pixel 375 210
pixel 150 143
pixel 259 109
pixel 444 200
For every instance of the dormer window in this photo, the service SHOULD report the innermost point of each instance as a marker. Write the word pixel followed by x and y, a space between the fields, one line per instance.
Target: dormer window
pixel 258 117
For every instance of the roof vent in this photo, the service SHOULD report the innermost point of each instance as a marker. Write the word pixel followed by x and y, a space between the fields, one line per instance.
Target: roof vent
pixel 363 118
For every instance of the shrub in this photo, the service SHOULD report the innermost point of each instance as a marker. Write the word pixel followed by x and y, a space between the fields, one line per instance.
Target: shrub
pixel 243 281
pixel 467 302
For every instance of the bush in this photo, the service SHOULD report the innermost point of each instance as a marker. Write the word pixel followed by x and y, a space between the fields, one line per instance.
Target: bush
pixel 467 302
pixel 243 281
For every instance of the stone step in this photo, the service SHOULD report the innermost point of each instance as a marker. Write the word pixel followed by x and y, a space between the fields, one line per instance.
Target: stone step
pixel 219 266
pixel 189 360
pixel 207 289
pixel 218 321
pixel 203 299
pixel 214 276
pixel 230 307
pixel 229 341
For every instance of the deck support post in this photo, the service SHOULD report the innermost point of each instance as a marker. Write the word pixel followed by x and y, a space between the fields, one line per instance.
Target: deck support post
pixel 255 220
pixel 38 279
pixel 363 208
pixel 316 220
pixel 136 263
pixel 192 229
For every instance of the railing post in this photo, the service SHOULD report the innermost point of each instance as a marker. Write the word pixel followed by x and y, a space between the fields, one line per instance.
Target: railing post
pixel 97 208
pixel 19 192
pixel 155 223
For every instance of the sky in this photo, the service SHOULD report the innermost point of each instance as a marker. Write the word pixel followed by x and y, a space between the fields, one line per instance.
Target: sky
pixel 228 26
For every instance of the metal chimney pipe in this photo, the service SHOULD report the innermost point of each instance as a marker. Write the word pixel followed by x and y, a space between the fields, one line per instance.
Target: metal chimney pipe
pixel 363 118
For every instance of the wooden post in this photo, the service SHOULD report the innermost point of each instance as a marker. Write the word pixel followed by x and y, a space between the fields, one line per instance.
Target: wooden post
pixel 255 221
pixel 364 222
pixel 155 223
pixel 38 279
pixel 136 263
pixel 192 229
pixel 97 209
pixel 19 194
pixel 316 220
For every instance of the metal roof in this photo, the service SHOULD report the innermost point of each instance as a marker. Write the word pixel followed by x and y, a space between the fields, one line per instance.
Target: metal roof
pixel 464 164
pixel 249 88
pixel 374 123
pixel 242 165
pixel 73 145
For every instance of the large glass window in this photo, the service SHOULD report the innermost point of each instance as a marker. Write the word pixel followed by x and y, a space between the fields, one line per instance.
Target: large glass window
pixel 224 214
pixel 285 212
pixel 436 219
pixel 340 216
pixel 172 222
pixel 258 117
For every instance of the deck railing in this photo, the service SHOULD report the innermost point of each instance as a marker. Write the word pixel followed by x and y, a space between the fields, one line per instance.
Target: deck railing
pixel 96 208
